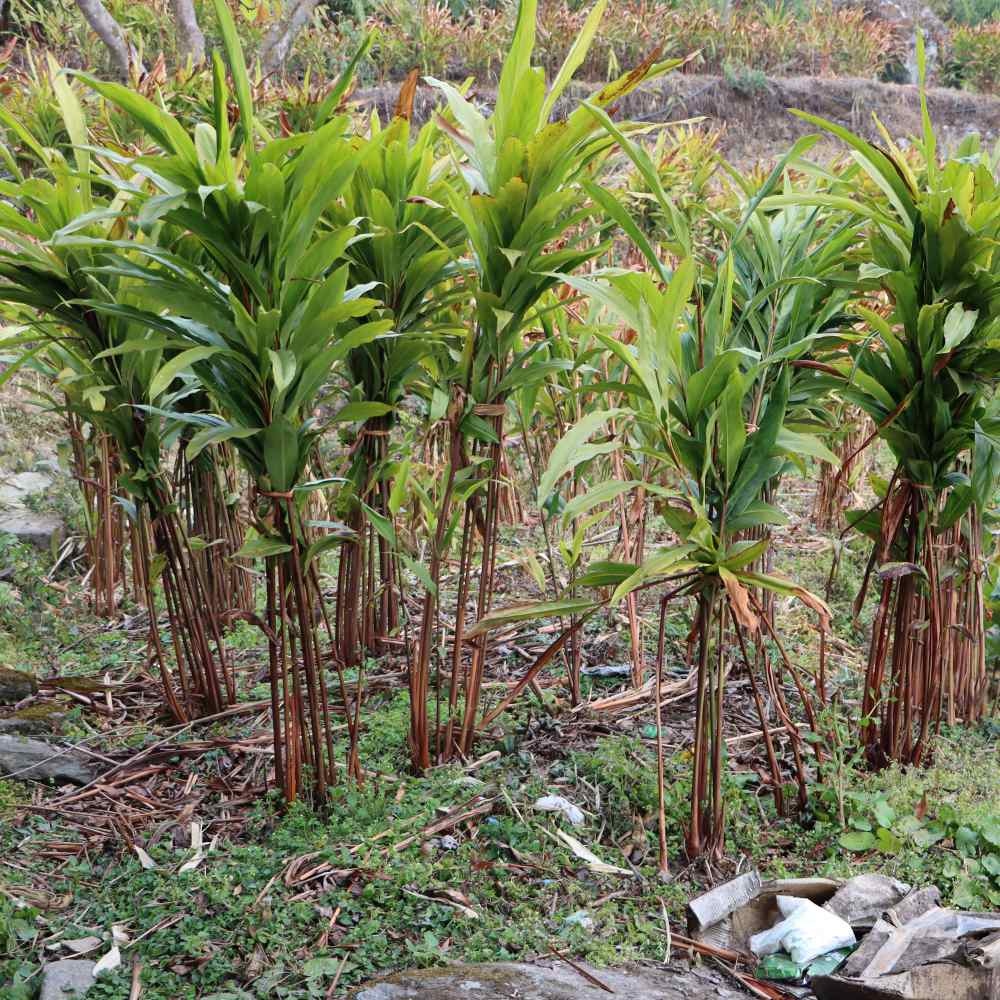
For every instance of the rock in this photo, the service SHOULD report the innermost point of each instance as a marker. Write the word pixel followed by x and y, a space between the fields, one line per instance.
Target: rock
pixel 41 530
pixel 39 761
pixel 14 489
pixel 82 946
pixel 11 725
pixel 864 898
pixel 15 685
pixel 72 977
pixel 549 980
pixel 35 720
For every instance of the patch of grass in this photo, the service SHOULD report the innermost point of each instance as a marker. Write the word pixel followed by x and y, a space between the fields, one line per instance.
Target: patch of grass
pixel 12 794
pixel 926 826
pixel 235 910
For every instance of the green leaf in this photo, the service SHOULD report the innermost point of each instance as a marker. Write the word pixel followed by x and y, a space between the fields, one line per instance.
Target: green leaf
pixel 884 814
pixel 317 967
pixel 888 842
pixel 966 894
pixel 330 541
pixel 216 435
pixel 958 324
pixel 332 100
pixel 283 368
pixel 420 571
pixel 664 562
pixel 529 612
pixel 197 544
pixel 400 481
pixel 319 484
pixel 990 831
pixel 929 835
pixel 604 573
pixel 281 454
pixel 360 411
pixel 796 444
pixel 238 69
pixel 262 547
pixel 516 67
pixel 182 362
pixel 966 841
pixel 572 449
pixel 602 493
pixel 574 58
pixel 162 127
pixel 382 524
pixel 858 841
pixel 732 426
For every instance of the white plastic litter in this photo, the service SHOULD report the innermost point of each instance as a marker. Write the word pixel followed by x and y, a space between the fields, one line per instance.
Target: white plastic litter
pixel 556 803
pixel 806 932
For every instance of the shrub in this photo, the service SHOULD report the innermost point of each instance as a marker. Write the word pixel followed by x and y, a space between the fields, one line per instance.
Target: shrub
pixel 968 12
pixel 973 59
pixel 818 41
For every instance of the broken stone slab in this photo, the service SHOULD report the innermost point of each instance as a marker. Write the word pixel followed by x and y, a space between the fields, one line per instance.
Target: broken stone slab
pixel 15 686
pixel 36 760
pixel 985 953
pixel 32 721
pixel 864 898
pixel 913 905
pixel 937 981
pixel 70 977
pixel 936 955
pixel 43 531
pixel 551 981
pixel 14 489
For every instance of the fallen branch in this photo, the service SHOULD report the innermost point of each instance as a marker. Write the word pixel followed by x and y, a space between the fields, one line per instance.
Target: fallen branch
pixel 447 823
pixel 593 980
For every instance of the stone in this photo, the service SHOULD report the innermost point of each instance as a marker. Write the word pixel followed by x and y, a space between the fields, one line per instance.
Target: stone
pixel 14 489
pixel 43 531
pixel 15 686
pixel 37 760
pixel 71 977
pixel 864 898
pixel 43 719
pixel 82 946
pixel 549 980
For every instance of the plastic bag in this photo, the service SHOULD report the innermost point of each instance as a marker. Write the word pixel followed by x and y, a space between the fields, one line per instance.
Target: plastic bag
pixel 806 932
pixel 556 803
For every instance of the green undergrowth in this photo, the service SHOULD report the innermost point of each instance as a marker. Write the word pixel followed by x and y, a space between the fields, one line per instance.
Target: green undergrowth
pixel 240 931
pixel 232 929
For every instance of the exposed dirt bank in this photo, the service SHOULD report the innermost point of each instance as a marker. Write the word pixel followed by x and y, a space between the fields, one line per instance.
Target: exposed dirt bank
pixel 757 120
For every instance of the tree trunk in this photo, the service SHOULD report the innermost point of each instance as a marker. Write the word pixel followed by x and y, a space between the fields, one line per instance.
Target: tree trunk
pixel 190 40
pixel 279 40
pixel 109 31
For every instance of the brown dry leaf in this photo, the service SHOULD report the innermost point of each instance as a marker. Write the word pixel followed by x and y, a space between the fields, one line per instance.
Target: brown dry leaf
pixel 404 103
pixel 739 601
pixel 810 600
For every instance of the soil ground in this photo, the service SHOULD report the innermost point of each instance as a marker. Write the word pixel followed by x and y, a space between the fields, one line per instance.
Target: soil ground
pixel 756 114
